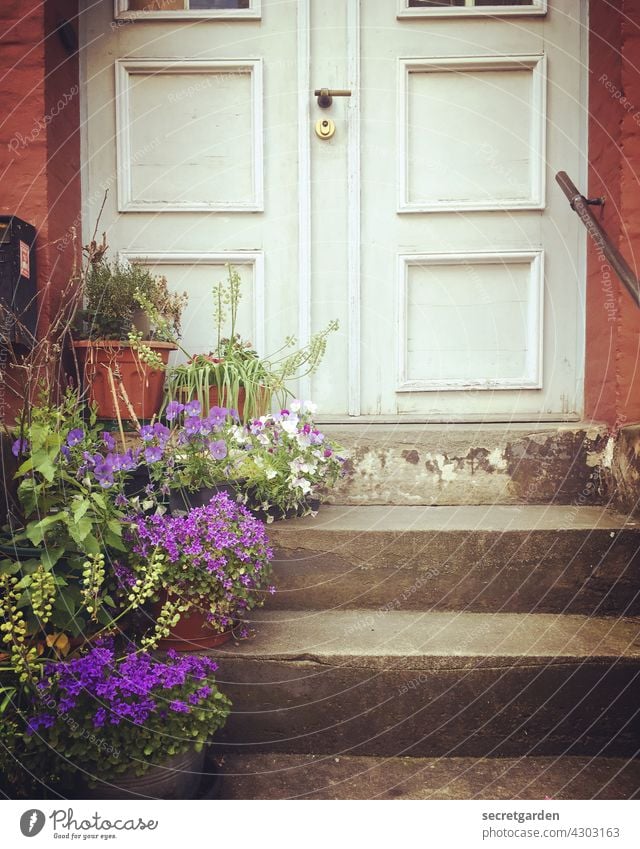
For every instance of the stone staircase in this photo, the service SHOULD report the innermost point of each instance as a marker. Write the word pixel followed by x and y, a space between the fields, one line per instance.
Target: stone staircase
pixel 486 650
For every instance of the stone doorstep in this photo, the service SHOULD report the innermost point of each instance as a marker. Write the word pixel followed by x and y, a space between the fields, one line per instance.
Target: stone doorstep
pixel 433 684
pixel 473 464
pixel 285 776
pixel 479 558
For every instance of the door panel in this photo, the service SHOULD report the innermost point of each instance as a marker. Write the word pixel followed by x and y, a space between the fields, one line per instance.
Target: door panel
pixel 471 303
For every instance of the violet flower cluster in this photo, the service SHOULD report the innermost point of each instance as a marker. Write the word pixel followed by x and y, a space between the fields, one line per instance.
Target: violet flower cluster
pixel 203 451
pixel 215 558
pixel 134 688
pixel 143 706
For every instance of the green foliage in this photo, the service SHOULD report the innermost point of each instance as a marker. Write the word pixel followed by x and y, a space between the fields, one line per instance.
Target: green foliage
pixel 115 292
pixel 55 559
pixel 234 366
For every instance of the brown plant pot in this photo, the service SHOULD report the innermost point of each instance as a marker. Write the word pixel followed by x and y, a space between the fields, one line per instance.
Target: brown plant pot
pixel 215 401
pixel 142 385
pixel 192 632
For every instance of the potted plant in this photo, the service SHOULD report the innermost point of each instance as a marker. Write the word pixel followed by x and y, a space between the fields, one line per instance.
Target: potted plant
pixel 128 326
pixel 55 555
pixel 198 456
pixel 233 375
pixel 290 463
pixel 208 567
pixel 127 724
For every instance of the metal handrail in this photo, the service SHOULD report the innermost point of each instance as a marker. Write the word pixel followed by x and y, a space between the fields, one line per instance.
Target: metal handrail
pixel 582 206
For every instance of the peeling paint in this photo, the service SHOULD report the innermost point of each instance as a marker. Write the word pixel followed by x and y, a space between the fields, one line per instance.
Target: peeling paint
pixel 497 459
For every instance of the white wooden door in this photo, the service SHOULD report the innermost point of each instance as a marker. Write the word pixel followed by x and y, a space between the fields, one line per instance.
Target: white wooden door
pixel 428 224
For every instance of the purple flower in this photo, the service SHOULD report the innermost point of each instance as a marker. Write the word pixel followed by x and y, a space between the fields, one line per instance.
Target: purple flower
pixel 179 706
pixel 20 446
pixel 146 433
pixel 100 718
pixel 108 440
pixel 174 408
pixel 217 416
pixel 327 453
pixel 153 454
pixel 103 472
pixel 193 408
pixel 218 449
pixel 161 432
pixel 75 436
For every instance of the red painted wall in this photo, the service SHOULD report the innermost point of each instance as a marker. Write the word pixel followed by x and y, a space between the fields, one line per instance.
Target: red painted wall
pixel 612 385
pixel 39 136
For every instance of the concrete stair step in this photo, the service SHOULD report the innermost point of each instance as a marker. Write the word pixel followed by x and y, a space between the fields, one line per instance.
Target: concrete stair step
pixel 285 776
pixel 542 558
pixel 512 463
pixel 434 684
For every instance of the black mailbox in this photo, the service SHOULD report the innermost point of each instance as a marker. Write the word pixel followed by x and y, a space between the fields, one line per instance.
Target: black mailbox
pixel 18 287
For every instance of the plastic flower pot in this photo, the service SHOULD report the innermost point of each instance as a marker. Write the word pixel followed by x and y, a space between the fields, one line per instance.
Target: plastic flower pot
pixel 108 365
pixel 177 777
pixel 183 499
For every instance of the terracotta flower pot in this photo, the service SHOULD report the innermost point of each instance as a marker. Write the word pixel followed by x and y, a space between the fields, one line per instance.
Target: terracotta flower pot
pixel 102 361
pixel 192 632
pixel 214 400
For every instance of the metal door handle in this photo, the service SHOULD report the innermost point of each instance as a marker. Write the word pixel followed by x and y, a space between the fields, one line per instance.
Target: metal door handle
pixel 325 95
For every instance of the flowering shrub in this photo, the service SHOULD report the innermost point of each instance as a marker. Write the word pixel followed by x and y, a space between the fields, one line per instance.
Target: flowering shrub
pixel 290 461
pixel 107 713
pixel 70 491
pixel 214 559
pixel 200 451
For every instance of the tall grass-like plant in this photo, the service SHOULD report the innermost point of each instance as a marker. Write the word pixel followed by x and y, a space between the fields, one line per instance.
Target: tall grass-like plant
pixel 243 380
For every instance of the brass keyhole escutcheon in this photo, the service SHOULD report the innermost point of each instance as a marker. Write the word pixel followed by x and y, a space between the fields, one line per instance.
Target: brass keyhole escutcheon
pixel 325 128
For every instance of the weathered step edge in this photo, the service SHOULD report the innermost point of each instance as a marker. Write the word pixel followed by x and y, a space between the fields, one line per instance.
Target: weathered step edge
pixel 474 464
pixel 510 559
pixel 435 685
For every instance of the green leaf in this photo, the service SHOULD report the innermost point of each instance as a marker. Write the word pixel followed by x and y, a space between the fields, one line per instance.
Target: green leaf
pixel 80 509
pixel 51 556
pixel 9 567
pixel 99 500
pixel 35 530
pixel 80 530
pixel 9 693
pixel 115 527
pixel 90 545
